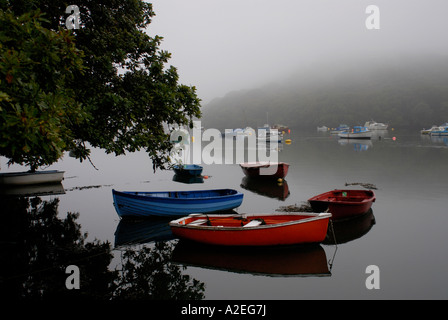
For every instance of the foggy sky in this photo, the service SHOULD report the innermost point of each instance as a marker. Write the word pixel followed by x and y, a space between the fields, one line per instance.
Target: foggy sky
pixel 224 45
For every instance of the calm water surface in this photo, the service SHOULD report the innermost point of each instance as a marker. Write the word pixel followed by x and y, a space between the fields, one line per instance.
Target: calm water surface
pixel 403 235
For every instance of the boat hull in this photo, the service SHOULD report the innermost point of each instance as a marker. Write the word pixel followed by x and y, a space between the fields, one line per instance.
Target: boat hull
pixel 343 203
pixel 349 135
pixel 188 170
pixel 439 133
pixel 261 169
pixel 30 178
pixel 279 229
pixel 357 132
pixel 175 203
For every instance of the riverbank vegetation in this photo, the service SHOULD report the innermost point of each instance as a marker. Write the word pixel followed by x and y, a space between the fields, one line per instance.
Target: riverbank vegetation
pixel 409 93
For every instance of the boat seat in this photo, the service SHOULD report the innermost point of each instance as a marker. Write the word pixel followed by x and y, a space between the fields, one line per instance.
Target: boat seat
pixel 197 222
pixel 252 223
pixel 352 198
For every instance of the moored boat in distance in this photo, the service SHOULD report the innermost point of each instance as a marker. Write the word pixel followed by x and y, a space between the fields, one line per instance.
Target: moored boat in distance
pixel 322 129
pixel 357 132
pixel 440 131
pixel 281 128
pixel 253 230
pixel 373 125
pixel 29 178
pixel 341 128
pixel 267 134
pixel 188 169
pixel 174 203
pixel 343 203
pixel 428 131
pixel 265 169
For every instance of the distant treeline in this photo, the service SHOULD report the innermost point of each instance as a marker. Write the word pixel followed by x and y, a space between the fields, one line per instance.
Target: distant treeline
pixel 412 94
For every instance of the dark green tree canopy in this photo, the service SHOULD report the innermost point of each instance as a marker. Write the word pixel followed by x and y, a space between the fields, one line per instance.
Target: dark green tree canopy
pixel 38 108
pixel 126 89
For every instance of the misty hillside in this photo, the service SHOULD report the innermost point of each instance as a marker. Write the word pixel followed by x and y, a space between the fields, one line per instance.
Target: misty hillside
pixel 410 93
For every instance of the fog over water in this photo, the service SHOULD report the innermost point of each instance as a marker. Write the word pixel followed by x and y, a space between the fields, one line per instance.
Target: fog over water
pixel 220 46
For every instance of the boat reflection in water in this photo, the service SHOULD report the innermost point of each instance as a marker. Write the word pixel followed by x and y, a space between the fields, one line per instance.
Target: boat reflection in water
pixel 37 243
pixel 35 190
pixel 131 232
pixel 266 187
pixel 439 139
pixel 357 144
pixel 349 229
pixel 283 261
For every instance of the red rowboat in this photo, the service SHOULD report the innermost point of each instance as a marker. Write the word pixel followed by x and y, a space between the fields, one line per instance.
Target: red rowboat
pixel 253 230
pixel 343 203
pixel 265 169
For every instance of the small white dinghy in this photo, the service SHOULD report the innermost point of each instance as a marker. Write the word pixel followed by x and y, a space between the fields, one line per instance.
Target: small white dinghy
pixel 27 178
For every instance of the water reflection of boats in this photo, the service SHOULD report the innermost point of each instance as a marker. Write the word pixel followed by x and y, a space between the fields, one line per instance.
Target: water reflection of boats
pixel 266 187
pixel 358 144
pixel 380 134
pixel 269 135
pixel 435 139
pixel 439 139
pixel 349 229
pixel 296 261
pixel 131 232
pixel 188 179
pixel 32 190
pixel 271 147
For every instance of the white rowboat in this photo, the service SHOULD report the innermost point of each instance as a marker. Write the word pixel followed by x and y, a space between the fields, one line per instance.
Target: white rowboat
pixel 27 178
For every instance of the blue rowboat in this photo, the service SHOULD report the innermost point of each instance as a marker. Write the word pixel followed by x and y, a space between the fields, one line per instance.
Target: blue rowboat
pixel 174 203
pixel 188 169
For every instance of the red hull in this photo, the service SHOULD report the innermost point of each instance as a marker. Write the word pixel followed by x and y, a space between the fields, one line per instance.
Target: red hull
pixel 276 229
pixel 265 169
pixel 343 203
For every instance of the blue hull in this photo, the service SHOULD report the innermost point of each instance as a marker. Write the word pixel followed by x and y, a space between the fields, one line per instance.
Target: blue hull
pixel 175 203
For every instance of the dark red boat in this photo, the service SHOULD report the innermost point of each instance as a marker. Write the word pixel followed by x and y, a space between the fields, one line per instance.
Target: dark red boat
pixel 265 169
pixel 343 203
